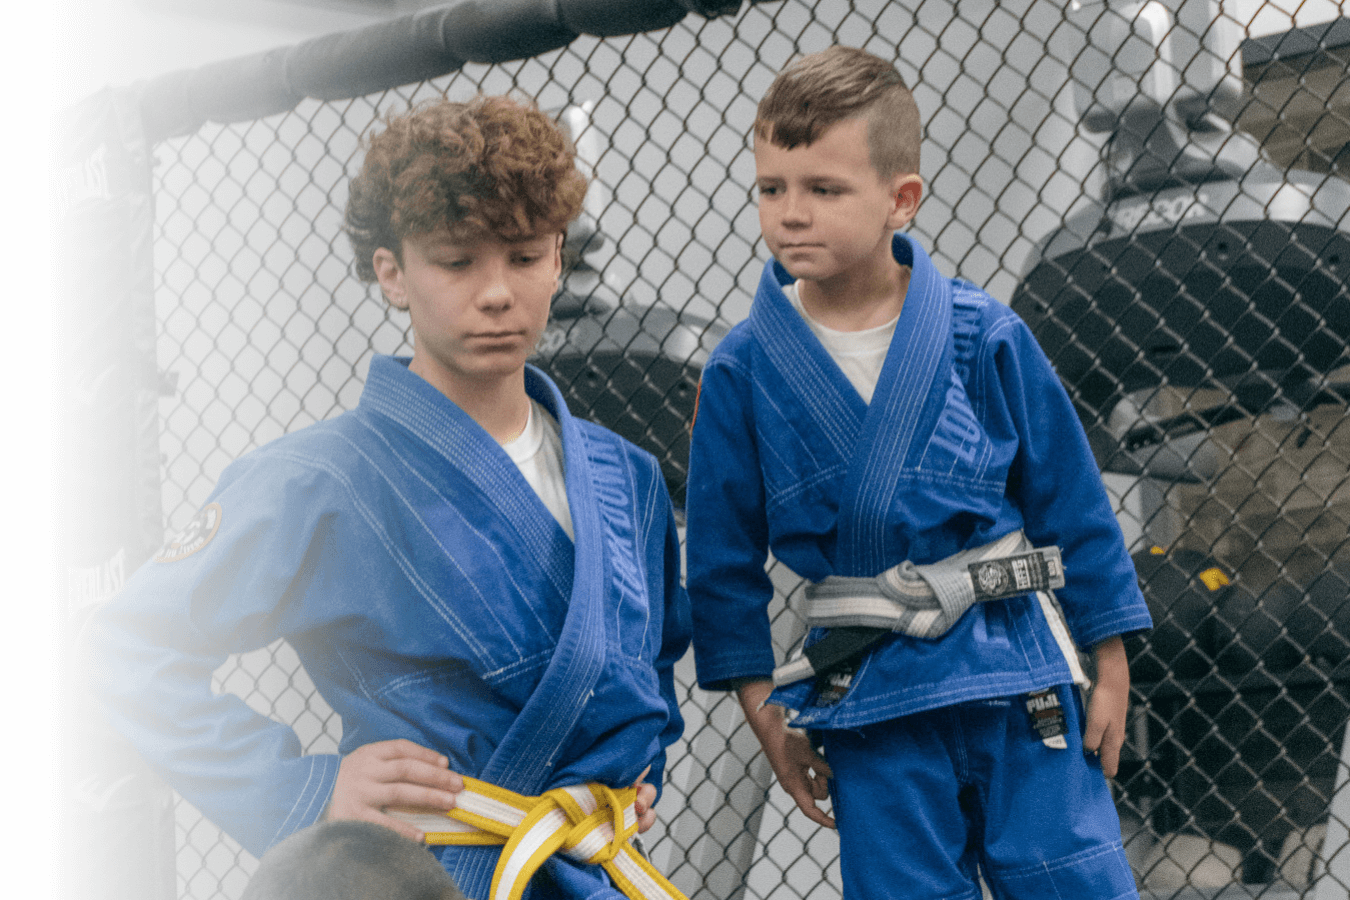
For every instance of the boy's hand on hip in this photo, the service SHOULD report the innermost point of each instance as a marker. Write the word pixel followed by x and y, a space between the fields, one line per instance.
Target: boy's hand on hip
pixel 393 773
pixel 1108 704
pixel 801 771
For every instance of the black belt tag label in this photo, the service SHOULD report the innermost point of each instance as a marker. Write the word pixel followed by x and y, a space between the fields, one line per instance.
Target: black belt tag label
pixel 841 647
pixel 1009 576
pixel 1046 713
pixel 832 687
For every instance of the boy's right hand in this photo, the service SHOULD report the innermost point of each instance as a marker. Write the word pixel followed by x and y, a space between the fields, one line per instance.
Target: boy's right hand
pixel 801 771
pixel 392 773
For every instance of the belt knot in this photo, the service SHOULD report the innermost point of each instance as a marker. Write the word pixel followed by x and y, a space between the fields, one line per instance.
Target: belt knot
pixel 591 823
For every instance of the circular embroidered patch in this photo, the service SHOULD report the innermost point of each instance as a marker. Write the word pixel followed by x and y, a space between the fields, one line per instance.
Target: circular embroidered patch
pixel 992 578
pixel 194 537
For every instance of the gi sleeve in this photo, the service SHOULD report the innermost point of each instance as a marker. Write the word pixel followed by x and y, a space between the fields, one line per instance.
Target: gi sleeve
pixel 149 655
pixel 1055 482
pixel 727 535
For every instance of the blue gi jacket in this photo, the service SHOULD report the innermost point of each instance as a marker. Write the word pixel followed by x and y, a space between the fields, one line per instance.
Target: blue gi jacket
pixel 969 436
pixel 430 595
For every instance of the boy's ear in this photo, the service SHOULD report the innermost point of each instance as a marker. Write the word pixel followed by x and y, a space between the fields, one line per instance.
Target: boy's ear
pixel 558 259
pixel 390 275
pixel 907 190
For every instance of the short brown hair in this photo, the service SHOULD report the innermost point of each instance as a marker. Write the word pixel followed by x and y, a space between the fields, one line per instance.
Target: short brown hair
pixel 817 91
pixel 492 166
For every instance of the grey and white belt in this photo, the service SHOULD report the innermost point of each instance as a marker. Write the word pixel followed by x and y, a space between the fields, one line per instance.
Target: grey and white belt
pixel 925 601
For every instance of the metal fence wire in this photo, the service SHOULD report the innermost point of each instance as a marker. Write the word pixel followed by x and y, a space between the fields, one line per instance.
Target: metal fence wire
pixel 1160 189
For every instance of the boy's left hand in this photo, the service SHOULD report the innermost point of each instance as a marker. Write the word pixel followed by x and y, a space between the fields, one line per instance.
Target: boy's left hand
pixel 646 796
pixel 1108 705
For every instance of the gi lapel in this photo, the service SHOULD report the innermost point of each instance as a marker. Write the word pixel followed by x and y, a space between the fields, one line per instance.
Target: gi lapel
pixel 606 558
pixel 804 367
pixel 524 758
pixel 910 396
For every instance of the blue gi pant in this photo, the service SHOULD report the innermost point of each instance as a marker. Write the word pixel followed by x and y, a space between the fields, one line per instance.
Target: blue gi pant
pixel 926 801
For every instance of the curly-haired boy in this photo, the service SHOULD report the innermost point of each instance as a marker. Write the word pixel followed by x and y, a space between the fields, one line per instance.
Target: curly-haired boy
pixel 485 588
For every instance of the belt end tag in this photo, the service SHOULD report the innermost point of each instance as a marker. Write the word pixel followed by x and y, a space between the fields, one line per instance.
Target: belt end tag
pixel 1047 718
pixel 1008 576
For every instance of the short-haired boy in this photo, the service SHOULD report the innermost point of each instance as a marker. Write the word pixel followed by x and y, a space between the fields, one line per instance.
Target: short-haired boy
pixel 477 582
pixel 869 415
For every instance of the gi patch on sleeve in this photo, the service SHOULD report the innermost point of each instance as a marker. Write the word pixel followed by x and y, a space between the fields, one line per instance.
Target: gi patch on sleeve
pixel 194 537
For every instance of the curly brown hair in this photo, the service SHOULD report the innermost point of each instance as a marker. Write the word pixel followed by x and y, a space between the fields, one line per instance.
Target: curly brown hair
pixel 822 89
pixel 492 166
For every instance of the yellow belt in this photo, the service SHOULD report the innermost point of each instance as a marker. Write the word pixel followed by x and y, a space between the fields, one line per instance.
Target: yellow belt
pixel 591 823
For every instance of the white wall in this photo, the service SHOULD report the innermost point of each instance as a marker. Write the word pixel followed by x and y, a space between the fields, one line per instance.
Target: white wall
pixel 27 552
pixel 1265 17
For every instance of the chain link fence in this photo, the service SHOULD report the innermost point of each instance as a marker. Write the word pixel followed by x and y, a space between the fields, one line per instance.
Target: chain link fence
pixel 1188 277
